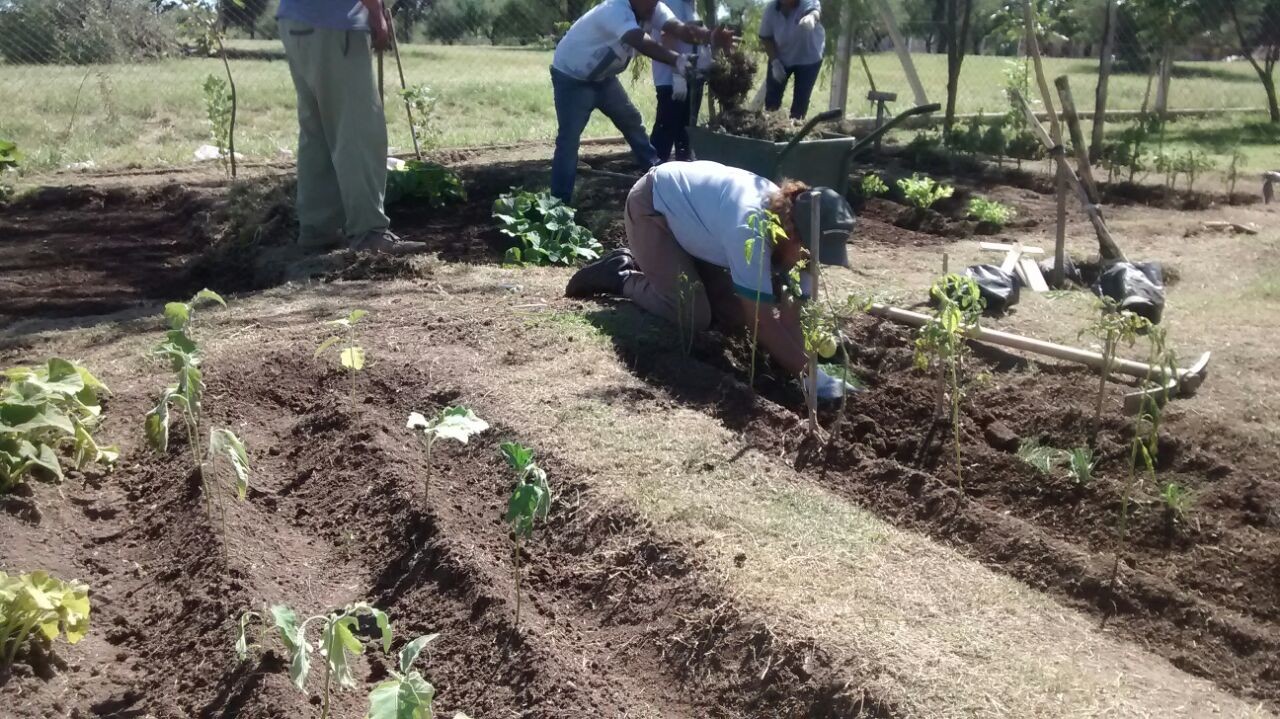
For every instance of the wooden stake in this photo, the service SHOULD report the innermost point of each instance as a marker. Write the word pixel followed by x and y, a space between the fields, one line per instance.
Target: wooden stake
pixel 1063 83
pixel 900 47
pixel 815 233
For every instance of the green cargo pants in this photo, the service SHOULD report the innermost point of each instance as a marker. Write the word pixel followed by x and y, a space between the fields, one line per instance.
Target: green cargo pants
pixel 342 134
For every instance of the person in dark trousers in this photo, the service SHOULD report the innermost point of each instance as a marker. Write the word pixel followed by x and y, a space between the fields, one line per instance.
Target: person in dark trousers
pixel 584 76
pixel 794 39
pixel 671 123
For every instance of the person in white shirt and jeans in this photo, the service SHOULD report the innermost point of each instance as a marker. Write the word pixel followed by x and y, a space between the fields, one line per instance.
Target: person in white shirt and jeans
pixel 671 122
pixel 794 39
pixel 584 76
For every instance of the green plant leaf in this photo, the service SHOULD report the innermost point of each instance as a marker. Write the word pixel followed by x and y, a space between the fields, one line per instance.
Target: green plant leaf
pixel 517 455
pixel 242 638
pixel 407 697
pixel 459 423
pixel 207 295
pixel 336 641
pixel 224 443
pixel 178 314
pixel 156 424
pixel 352 358
pixel 291 635
pixel 522 508
pixel 355 316
pixel 410 653
pixel 326 345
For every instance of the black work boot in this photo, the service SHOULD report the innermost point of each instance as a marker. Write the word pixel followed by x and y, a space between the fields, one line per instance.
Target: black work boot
pixel 602 277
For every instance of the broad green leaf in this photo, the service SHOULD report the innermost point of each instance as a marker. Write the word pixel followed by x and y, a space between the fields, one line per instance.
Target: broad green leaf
pixel 242 639
pixel 353 358
pixel 517 455
pixel 406 697
pixel 224 442
pixel 48 461
pixel 523 507
pixel 458 423
pixel 326 345
pixel 294 642
pixel 26 419
pixel 356 316
pixel 335 643
pixel 410 653
pixel 417 420
pixel 384 627
pixel 207 295
pixel 156 424
pixel 178 314
pixel 87 451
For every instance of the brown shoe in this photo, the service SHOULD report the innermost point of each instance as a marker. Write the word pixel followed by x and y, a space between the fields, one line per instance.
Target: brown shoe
pixel 385 242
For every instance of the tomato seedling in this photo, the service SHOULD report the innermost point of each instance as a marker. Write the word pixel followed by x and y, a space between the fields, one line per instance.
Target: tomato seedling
pixel 767 231
pixel 1113 327
pixel 39 608
pixel 530 501
pixel 350 354
pixel 940 344
pixel 457 423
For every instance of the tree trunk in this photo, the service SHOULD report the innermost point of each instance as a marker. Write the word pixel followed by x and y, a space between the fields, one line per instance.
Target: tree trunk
pixel 1265 71
pixel 1165 76
pixel 1269 84
pixel 843 60
pixel 957 40
pixel 1104 78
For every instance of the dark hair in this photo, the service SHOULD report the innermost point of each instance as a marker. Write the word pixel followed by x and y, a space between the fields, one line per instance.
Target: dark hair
pixel 783 203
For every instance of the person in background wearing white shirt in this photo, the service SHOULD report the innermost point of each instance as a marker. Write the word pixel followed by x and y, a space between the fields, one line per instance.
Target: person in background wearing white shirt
pixel 794 39
pixel 671 122
pixel 584 76
pixel 688 225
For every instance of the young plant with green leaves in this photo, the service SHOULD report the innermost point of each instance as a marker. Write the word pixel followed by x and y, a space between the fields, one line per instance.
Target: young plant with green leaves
pixel 1044 458
pixel 43 411
pixel 767 232
pixel 9 159
pixel 990 211
pixel 1113 327
pixel 1176 500
pixel 217 104
pixel 224 452
pixel 199 25
pixel 922 192
pixel 872 185
pixel 457 423
pixel 422 103
pixel 544 230
pixel 940 344
pixel 1192 164
pixel 424 182
pixel 1232 174
pixel 38 608
pixel 686 290
pixel 529 503
pixel 1081 463
pixel 350 354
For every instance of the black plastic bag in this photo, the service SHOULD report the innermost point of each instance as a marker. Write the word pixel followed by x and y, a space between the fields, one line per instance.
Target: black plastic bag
pixel 1137 286
pixel 998 288
pixel 1070 272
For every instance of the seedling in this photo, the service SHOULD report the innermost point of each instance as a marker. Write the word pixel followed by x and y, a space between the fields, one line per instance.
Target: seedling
pixel 940 345
pixel 1081 463
pixel 922 192
pixel 1113 327
pixel 457 423
pixel 1043 458
pixel 544 230
pixel 350 353
pixel 872 185
pixel 767 232
pixel 9 159
pixel 530 501
pixel 686 290
pixel 426 183
pixel 1233 169
pixel 407 694
pixel 44 410
pixel 201 26
pixel 423 105
pixel 985 210
pixel 1176 500
pixel 217 103
pixel 224 448
pixel 1192 163
pixel 39 608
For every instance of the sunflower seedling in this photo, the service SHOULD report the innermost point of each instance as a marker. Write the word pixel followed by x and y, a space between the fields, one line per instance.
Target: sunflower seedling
pixel 940 344
pixel 530 501
pixel 407 694
pixel 38 607
pixel 350 353
pixel 767 232
pixel 457 423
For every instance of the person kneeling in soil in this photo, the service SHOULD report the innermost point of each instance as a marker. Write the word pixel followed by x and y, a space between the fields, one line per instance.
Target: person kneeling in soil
pixel 584 76
pixel 688 225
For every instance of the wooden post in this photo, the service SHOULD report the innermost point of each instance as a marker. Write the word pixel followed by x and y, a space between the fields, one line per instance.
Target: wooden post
pixel 1058 277
pixel 815 234
pixel 1104 80
pixel 1106 244
pixel 1055 134
pixel 1072 121
pixel 903 52
pixel 844 60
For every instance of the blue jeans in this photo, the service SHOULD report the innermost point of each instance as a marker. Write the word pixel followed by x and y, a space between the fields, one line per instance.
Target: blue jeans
pixel 806 77
pixel 575 100
pixel 671 126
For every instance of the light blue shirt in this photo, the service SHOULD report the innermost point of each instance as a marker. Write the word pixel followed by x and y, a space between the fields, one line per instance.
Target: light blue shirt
pixel 686 12
pixel 708 207
pixel 593 50
pixel 797 45
pixel 329 14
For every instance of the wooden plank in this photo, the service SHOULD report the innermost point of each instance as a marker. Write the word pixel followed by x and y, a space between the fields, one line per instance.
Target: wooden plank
pixel 999 246
pixel 1011 259
pixel 1030 271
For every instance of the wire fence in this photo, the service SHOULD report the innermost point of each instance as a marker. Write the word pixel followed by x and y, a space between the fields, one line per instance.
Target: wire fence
pixel 119 82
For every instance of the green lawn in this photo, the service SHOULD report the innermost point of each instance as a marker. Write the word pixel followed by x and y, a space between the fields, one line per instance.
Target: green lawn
pixel 153 114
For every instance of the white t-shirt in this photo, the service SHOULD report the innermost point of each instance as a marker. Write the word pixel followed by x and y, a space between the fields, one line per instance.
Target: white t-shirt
pixel 796 45
pixel 686 12
pixel 593 49
pixel 708 207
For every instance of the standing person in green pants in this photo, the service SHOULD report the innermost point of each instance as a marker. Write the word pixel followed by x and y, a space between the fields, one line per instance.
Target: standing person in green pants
pixel 342 132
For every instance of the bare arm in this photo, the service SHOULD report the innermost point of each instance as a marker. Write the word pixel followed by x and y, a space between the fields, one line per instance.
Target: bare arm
pixel 650 49
pixel 377 24
pixel 779 333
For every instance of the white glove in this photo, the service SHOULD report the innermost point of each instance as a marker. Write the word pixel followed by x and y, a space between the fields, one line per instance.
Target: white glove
pixel 810 21
pixel 704 58
pixel 830 388
pixel 679 88
pixel 682 65
pixel 778 71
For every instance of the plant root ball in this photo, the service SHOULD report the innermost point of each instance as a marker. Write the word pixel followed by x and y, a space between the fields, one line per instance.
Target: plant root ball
pixel 732 76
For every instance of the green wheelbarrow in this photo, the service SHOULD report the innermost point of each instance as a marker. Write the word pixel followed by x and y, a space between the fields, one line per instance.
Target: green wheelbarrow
pixel 824 162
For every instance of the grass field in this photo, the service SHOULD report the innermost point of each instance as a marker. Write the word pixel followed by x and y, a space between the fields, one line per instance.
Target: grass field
pixel 153 114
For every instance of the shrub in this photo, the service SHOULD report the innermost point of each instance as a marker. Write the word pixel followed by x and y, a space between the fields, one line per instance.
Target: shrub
pixel 544 230
pixel 923 191
pixel 82 32
pixel 985 210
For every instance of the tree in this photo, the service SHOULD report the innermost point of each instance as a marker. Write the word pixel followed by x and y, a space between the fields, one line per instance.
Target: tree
pixel 959 18
pixel 1164 26
pixel 1257 27
pixel 243 14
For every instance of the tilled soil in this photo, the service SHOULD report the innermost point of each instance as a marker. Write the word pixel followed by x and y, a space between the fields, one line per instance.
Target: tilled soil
pixel 1200 590
pixel 614 622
